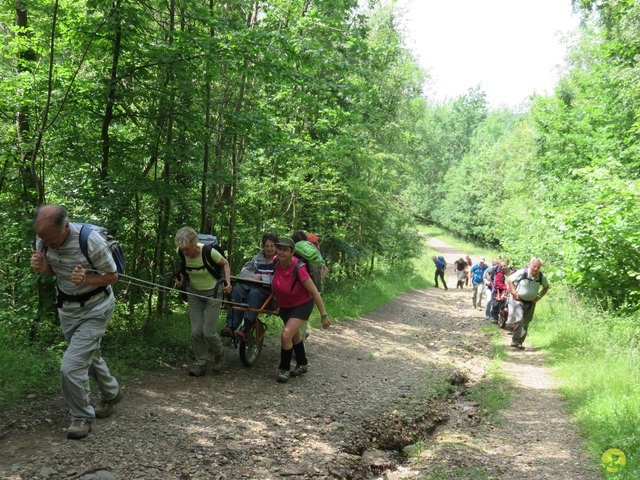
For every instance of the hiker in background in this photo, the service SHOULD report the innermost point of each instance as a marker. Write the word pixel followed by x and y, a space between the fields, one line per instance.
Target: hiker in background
pixel 260 267
pixel 441 266
pixel 495 275
pixel 204 309
pixel 461 271
pixel 477 274
pixel 469 265
pixel 318 272
pixel 488 286
pixel 85 306
pixel 296 293
pixel 525 286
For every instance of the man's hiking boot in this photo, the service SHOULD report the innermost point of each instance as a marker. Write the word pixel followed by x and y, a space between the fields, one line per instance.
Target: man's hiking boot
pixel 519 346
pixel 283 376
pixel 219 361
pixel 226 332
pixel 197 371
pixel 79 429
pixel 299 370
pixel 104 409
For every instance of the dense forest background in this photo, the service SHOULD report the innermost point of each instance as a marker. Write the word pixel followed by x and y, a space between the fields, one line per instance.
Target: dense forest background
pixel 243 117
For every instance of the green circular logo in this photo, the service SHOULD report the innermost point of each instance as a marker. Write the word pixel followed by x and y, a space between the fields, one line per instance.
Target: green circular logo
pixel 614 461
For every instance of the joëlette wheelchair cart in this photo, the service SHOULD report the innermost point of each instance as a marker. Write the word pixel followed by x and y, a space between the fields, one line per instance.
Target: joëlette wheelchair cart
pixel 250 347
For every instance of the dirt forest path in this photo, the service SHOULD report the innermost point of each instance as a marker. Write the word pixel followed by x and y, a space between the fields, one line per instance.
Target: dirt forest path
pixel 374 387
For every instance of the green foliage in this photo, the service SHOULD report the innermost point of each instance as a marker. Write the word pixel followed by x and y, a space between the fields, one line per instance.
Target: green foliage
pixel 559 182
pixel 595 355
pixel 147 117
pixel 26 371
pixel 446 133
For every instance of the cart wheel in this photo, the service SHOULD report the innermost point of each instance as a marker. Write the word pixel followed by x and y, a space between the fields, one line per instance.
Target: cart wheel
pixel 252 345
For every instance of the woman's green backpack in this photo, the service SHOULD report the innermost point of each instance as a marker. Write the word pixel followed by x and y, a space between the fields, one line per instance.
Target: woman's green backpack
pixel 311 257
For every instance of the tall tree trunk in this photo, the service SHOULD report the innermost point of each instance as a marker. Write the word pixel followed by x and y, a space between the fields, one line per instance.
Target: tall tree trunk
pixel 226 200
pixel 164 214
pixel 111 95
pixel 32 185
pixel 33 191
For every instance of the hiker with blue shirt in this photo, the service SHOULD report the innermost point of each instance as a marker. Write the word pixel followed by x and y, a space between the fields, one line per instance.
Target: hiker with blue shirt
pixel 525 286
pixel 85 306
pixel 441 266
pixel 477 279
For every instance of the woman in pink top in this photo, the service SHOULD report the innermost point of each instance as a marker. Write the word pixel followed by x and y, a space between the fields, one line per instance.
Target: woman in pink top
pixel 296 294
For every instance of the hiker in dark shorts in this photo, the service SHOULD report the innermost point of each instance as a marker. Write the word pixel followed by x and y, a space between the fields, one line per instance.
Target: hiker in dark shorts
pixel 296 294
pixel 461 271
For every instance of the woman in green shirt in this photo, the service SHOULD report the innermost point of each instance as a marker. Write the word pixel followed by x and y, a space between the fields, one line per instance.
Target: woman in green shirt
pixel 204 309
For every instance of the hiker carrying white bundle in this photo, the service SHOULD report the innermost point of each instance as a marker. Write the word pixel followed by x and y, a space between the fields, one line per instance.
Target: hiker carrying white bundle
pixel 525 286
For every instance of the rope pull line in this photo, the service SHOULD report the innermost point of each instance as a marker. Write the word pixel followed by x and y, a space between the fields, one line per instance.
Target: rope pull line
pixel 151 285
pixel 147 285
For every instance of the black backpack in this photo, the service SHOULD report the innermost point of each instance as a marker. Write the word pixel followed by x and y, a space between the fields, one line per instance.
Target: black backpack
pixel 114 246
pixel 528 278
pixel 209 242
pixel 116 253
pixel 492 275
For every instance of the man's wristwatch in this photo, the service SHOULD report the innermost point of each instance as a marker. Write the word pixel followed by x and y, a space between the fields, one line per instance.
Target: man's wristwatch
pixel 324 315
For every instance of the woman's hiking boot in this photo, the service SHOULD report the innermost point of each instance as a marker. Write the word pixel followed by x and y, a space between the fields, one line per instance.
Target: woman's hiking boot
pixel 299 370
pixel 283 376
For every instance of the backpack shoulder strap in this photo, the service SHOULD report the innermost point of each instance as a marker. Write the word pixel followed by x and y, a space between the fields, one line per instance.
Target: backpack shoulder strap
pixel 526 275
pixel 183 262
pixel 85 231
pixel 296 267
pixel 206 259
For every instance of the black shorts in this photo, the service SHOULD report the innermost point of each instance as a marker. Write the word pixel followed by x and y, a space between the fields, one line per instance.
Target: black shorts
pixel 303 312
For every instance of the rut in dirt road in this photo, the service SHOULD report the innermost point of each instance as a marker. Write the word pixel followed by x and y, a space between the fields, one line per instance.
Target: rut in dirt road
pixel 398 377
